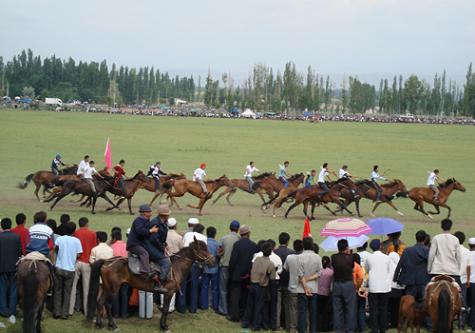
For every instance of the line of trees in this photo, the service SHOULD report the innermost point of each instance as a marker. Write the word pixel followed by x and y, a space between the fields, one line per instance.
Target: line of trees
pixel 264 90
pixel 89 81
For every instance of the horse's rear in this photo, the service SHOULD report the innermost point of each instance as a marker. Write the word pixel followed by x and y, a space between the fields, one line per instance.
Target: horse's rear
pixel 34 280
pixel 443 303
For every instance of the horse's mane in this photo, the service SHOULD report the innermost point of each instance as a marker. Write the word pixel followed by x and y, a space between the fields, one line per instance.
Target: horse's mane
pixel 391 183
pixel 70 168
pixel 215 180
pixel 296 176
pixel 174 175
pixel 448 182
pixel 263 175
pixel 185 252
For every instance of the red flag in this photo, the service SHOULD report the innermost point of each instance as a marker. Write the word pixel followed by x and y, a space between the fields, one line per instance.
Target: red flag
pixel 306 228
pixel 108 155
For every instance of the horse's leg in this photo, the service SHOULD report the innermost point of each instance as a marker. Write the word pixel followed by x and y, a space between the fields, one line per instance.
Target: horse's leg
pixel 328 208
pixel 108 305
pixel 59 197
pixel 314 205
pixel 290 208
pixel 155 196
pixel 129 203
pixel 228 197
pixel 394 207
pixel 357 205
pixel 37 189
pixel 94 199
pixel 374 208
pixel 106 198
pixel 166 307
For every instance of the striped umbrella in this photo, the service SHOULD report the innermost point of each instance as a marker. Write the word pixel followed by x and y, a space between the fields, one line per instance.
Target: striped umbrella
pixel 345 227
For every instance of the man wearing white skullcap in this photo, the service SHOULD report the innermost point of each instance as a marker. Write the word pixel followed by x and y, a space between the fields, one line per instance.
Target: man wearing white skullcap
pixel 174 240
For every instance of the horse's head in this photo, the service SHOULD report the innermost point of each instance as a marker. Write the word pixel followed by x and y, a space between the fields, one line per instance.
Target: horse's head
pixel 200 252
pixel 140 176
pixel 223 180
pixel 400 185
pixel 458 185
pixel 298 177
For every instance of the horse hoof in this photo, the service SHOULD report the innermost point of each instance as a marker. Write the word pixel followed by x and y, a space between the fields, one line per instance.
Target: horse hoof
pixel 94 213
pixel 372 214
pixel 429 216
pixel 400 213
pixel 274 216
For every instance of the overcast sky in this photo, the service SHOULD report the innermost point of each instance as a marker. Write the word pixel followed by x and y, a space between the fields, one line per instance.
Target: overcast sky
pixel 369 38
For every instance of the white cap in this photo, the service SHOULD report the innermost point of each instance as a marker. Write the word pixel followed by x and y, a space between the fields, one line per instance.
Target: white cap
pixel 171 222
pixel 471 241
pixel 128 231
pixel 193 220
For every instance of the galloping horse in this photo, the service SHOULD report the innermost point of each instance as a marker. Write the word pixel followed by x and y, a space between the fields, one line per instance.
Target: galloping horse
pixel 81 187
pixel 443 303
pixel 284 192
pixel 33 279
pixel 183 186
pixel 165 185
pixel 131 186
pixel 46 179
pixel 271 185
pixel 389 190
pixel 312 195
pixel 114 272
pixel 421 194
pixel 243 184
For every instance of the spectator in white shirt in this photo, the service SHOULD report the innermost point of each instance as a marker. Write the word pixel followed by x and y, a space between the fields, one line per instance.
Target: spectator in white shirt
pixel 444 253
pixel 199 176
pixel 102 251
pixel 378 267
pixel 363 254
pixel 250 169
pixel 291 265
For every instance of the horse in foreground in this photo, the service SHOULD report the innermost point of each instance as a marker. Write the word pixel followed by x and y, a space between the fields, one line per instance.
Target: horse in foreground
pixel 411 314
pixel 443 303
pixel 114 272
pixel 33 279
pixel 46 179
pixel 424 194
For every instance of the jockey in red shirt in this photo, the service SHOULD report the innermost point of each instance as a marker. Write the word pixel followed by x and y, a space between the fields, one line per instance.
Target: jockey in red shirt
pixel 119 174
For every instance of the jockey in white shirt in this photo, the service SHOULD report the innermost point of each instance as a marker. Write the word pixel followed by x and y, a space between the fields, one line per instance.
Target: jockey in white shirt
pixel 322 178
pixel 199 176
pixel 82 165
pixel 87 174
pixel 250 169
pixel 375 176
pixel 344 173
pixel 433 182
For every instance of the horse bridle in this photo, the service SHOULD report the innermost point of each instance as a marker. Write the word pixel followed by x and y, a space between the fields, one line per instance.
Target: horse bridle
pixel 200 257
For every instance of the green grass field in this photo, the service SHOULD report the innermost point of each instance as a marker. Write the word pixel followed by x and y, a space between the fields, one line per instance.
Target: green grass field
pixel 29 141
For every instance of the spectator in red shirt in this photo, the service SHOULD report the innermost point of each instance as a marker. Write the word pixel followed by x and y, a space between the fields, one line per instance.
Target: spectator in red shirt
pixel 22 231
pixel 88 240
pixel 119 174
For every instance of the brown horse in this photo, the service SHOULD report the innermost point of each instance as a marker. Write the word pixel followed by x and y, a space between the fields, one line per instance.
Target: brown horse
pixel 443 303
pixel 411 314
pixel 395 188
pixel 182 186
pixel 271 185
pixel 312 195
pixel 46 179
pixel 165 185
pixel 294 183
pixel 33 280
pixel 243 184
pixel 131 186
pixel 114 272
pixel 421 194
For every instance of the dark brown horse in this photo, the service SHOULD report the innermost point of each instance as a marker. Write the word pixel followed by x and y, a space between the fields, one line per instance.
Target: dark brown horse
pixel 131 186
pixel 46 179
pixel 165 185
pixel 114 272
pixel 395 188
pixel 411 314
pixel 33 280
pixel 421 194
pixel 182 186
pixel 243 185
pixel 443 303
pixel 294 183
pixel 271 185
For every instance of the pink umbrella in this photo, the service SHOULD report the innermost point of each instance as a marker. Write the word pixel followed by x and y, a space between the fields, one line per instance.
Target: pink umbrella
pixel 345 227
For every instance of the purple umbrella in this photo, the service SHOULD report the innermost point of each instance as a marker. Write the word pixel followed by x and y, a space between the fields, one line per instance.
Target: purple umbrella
pixel 384 226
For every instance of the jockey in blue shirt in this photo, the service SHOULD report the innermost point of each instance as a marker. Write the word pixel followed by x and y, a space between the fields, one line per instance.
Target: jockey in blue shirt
pixel 283 173
pixel 56 163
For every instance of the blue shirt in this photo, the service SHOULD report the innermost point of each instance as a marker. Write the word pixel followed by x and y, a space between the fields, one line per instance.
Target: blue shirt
pixel 68 249
pixel 309 181
pixel 282 172
pixel 213 246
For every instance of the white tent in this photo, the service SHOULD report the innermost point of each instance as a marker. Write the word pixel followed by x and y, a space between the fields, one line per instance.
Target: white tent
pixel 248 113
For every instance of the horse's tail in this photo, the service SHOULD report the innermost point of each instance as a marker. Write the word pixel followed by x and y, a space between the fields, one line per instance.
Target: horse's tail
pixel 94 284
pixel 443 324
pixel 29 302
pixel 25 183
pixel 402 194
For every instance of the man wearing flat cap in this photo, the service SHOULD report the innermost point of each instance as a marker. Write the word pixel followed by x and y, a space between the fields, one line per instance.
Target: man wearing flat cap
pixel 156 243
pixel 140 231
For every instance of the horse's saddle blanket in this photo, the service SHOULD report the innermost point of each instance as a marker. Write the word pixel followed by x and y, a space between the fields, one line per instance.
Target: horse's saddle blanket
pixel 134 264
pixel 35 256
pixel 447 278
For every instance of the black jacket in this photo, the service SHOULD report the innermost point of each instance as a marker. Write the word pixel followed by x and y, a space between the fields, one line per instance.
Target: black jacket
pixel 10 251
pixel 241 259
pixel 139 232
pixel 283 252
pixel 412 268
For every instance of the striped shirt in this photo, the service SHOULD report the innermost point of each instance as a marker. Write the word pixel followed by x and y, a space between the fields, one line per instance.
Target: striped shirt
pixel 40 236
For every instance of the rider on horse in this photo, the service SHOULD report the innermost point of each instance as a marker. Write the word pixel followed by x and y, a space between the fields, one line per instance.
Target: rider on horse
pixel 156 244
pixel 283 173
pixel 375 176
pixel 119 175
pixel 86 174
pixel 139 233
pixel 344 173
pixel 56 164
pixel 322 178
pixel 433 182
pixel 250 169
pixel 199 177
pixel 310 178
pixel 155 172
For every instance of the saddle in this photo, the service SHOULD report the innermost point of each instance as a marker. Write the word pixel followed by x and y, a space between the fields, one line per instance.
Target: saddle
pixel 134 264
pixel 35 256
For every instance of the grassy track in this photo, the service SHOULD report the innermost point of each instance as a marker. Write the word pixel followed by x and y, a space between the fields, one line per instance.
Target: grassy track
pixel 29 140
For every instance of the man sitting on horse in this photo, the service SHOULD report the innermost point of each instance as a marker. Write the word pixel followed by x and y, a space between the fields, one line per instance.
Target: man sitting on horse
pixel 199 177
pixel 56 164
pixel 310 178
pixel 375 176
pixel 86 174
pixel 139 233
pixel 433 182
pixel 323 176
pixel 155 172
pixel 156 244
pixel 283 173
pixel 119 174
pixel 250 169
pixel 344 173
